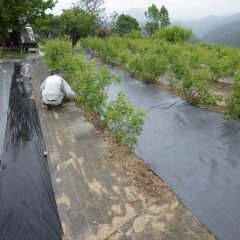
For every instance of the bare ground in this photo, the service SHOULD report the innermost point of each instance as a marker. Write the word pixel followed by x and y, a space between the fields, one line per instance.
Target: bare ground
pixel 130 165
pixel 103 190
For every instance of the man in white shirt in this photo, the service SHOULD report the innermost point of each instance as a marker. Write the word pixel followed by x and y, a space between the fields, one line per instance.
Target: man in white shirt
pixel 54 90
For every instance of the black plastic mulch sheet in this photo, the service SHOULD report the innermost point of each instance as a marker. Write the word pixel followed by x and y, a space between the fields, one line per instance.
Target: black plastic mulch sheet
pixel 195 151
pixel 6 71
pixel 28 209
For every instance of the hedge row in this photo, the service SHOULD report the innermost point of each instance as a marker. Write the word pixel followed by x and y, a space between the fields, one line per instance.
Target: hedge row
pixel 91 86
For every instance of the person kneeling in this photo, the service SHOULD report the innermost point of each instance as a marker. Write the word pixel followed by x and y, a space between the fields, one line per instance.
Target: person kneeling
pixel 54 90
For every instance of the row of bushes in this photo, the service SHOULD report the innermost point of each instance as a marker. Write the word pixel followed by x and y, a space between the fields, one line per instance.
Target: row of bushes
pixel 91 86
pixel 233 102
pixel 190 67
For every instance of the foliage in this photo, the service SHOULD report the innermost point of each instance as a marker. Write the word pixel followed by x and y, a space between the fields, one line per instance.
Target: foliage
pixel 191 67
pixel 57 52
pixel 125 24
pixel 233 102
pixel 195 88
pixel 216 70
pixel 135 34
pixel 91 85
pixel 91 6
pixel 152 16
pixel 153 66
pixel 16 14
pixel 173 34
pixel 77 23
pixel 6 23
pixel 164 17
pixel 13 54
pixel 48 26
pixel 94 7
pixel 126 121
pixel 156 18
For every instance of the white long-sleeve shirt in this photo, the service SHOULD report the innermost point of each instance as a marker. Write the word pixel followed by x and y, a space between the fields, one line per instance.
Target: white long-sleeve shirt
pixel 54 88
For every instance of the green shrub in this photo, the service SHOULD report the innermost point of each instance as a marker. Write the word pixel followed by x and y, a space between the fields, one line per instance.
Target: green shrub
pixel 135 34
pixel 191 66
pixel 193 84
pixel 216 71
pixel 125 24
pixel 173 34
pixel 122 57
pixel 195 88
pixel 126 121
pixel 135 64
pixel 233 102
pixel 153 66
pixel 91 85
pixel 56 52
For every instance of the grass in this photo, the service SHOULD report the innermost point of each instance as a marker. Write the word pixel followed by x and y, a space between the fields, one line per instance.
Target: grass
pixel 12 54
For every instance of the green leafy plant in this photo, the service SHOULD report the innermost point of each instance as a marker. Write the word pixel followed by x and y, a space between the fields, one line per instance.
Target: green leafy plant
pixel 91 85
pixel 173 34
pixel 125 24
pixel 56 52
pixel 154 66
pixel 126 121
pixel 135 34
pixel 191 66
pixel 195 89
pixel 233 102
pixel 216 71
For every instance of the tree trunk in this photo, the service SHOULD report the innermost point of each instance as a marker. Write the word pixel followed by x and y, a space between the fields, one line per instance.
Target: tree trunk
pixel 74 39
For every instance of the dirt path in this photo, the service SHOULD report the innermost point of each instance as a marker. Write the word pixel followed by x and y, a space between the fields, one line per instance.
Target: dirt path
pixel 96 197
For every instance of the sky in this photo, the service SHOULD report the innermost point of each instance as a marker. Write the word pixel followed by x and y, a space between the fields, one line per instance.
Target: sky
pixel 178 9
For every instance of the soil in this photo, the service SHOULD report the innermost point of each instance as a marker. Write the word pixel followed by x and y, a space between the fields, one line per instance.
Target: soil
pixel 220 87
pixel 130 165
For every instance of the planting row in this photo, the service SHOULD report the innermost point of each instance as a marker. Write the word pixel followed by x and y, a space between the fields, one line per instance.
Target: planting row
pixel 190 67
pixel 91 86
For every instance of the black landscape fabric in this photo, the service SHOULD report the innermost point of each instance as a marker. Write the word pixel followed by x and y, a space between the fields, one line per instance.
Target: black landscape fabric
pixel 28 209
pixel 195 151
pixel 6 71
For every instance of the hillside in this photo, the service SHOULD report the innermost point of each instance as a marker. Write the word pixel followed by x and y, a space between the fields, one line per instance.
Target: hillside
pixel 205 25
pixel 226 35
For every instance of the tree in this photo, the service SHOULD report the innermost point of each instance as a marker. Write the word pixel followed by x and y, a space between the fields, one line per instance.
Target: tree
pixel 16 14
pixel 5 20
pixel 91 6
pixel 156 18
pixel 125 24
pixel 153 19
pixel 164 17
pixel 48 26
pixel 77 23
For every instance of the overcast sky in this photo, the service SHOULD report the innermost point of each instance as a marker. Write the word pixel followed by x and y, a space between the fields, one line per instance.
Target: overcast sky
pixel 178 9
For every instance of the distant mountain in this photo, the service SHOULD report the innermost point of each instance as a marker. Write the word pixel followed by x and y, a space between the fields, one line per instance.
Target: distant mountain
pixel 205 25
pixel 226 35
pixel 214 29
